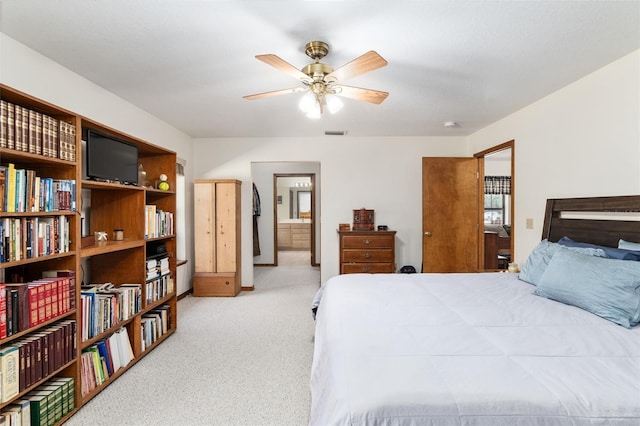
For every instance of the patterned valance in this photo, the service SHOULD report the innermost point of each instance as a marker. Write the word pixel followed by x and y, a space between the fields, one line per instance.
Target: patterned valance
pixel 497 185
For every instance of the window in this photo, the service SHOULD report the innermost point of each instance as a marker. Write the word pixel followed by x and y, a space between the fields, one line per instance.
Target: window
pixel 494 209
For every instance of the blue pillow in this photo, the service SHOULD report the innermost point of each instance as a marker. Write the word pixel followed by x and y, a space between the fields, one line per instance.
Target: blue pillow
pixel 542 254
pixel 609 288
pixel 628 245
pixel 612 252
pixel 538 261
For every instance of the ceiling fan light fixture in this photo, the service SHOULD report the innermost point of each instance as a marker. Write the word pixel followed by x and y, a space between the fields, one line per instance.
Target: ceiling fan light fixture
pixel 322 82
pixel 307 102
pixel 334 104
pixel 310 105
pixel 314 113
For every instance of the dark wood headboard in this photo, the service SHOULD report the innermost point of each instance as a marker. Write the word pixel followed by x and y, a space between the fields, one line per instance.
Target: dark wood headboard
pixel 596 230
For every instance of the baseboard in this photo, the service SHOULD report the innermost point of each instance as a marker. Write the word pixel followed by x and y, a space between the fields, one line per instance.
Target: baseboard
pixel 185 294
pixel 247 288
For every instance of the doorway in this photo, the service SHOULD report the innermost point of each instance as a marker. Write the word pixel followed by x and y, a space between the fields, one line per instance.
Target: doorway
pixel 496 234
pixel 294 218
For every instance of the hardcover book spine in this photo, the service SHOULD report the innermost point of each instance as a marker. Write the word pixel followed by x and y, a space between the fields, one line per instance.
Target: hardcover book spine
pixel 4 118
pixel 11 126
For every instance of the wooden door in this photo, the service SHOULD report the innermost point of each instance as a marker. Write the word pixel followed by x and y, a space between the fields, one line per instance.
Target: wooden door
pixel 227 220
pixel 204 222
pixel 450 215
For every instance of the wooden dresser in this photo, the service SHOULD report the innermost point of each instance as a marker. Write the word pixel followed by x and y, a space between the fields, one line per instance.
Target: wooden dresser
pixel 367 252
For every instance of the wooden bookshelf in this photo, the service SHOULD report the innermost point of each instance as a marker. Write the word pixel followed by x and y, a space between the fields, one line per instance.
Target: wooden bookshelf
pixel 112 206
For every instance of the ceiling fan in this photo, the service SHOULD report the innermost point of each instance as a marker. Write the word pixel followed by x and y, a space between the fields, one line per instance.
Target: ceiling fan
pixel 320 80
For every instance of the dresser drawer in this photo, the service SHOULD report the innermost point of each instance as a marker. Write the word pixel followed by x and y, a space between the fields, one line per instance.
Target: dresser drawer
pixel 366 268
pixel 367 252
pixel 215 284
pixel 367 241
pixel 367 256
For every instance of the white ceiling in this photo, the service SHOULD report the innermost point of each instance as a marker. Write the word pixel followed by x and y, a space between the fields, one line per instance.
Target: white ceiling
pixel 190 62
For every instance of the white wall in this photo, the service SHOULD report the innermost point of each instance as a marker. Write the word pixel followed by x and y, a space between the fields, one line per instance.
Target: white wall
pixel 28 71
pixel 384 174
pixel 583 140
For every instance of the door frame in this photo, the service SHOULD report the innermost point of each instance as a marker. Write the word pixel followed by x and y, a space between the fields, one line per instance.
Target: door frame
pixel 312 176
pixel 481 156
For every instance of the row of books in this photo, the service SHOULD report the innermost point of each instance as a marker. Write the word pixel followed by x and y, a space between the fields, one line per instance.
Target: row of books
pixel 26 305
pixel 32 358
pixel 22 190
pixel 105 305
pixel 43 406
pixel 157 288
pixel 30 237
pixel 155 323
pixel 157 223
pixel 27 130
pixel 103 359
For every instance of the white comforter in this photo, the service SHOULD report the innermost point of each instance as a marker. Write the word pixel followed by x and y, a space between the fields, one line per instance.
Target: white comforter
pixel 466 349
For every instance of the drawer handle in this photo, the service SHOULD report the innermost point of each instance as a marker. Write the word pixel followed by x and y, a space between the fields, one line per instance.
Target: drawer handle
pixel 366 241
pixel 367 255
pixel 366 269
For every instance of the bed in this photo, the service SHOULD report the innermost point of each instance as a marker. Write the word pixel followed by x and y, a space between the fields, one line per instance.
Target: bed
pixel 485 349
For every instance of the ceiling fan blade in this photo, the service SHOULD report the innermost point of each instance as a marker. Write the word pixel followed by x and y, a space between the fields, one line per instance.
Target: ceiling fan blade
pixel 359 94
pixel 284 66
pixel 276 93
pixel 362 64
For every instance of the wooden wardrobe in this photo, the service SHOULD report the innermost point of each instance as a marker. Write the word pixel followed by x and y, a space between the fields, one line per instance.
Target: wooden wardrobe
pixel 217 237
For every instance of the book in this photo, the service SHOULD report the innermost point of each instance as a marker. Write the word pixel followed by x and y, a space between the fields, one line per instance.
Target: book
pixel 3 188
pixel 4 117
pixel 24 406
pixel 22 312
pixel 38 408
pixel 11 125
pixel 11 187
pixel 42 406
pixel 106 356
pixel 3 311
pixel 9 367
pixel 114 351
pixel 14 413
pixel 11 327
pixel 124 346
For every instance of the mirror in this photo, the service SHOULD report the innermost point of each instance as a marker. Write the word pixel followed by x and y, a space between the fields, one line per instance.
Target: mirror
pixel 294 197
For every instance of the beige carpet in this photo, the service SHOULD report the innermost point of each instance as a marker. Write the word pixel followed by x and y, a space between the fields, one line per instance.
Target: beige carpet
pixel 233 361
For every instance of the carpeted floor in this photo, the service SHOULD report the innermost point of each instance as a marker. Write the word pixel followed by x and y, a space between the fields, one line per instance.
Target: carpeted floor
pixel 233 361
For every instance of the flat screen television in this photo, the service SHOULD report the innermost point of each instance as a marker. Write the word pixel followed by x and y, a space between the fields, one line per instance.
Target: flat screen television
pixel 110 159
